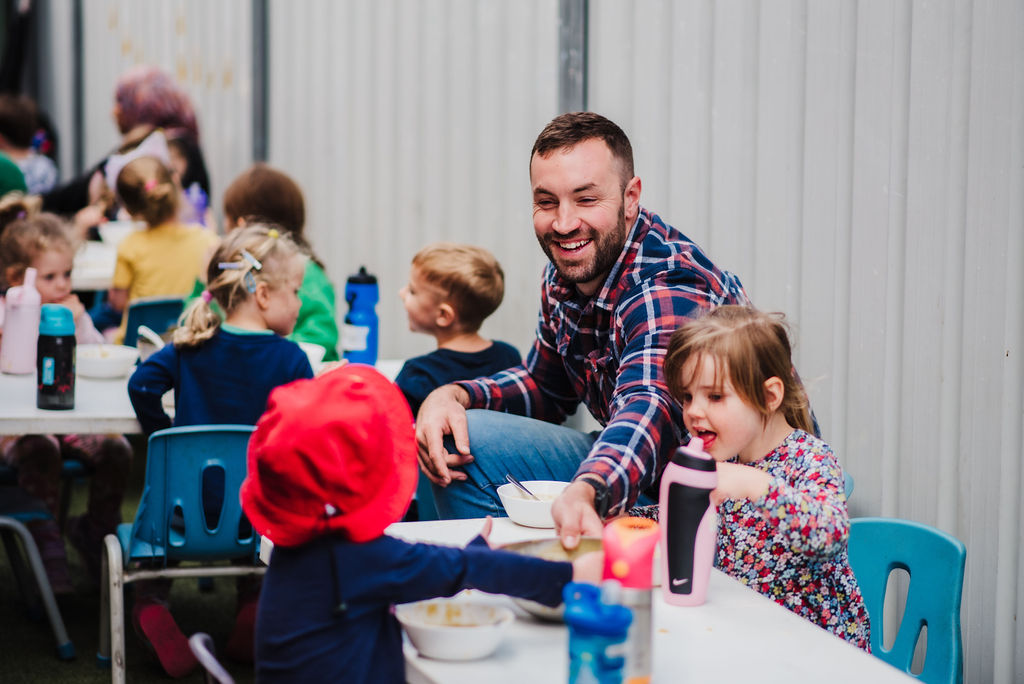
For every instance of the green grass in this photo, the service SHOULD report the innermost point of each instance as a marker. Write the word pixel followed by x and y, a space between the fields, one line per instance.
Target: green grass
pixel 29 652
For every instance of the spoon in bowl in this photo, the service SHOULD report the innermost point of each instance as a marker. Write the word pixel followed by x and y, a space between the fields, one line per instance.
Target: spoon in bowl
pixel 511 478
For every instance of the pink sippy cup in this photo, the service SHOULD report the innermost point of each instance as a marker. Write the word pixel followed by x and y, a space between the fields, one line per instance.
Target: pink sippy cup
pixel 689 524
pixel 21 327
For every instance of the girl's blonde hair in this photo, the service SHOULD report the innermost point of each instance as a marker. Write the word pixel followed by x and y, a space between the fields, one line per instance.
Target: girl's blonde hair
pixel 27 234
pixel 147 190
pixel 247 256
pixel 751 346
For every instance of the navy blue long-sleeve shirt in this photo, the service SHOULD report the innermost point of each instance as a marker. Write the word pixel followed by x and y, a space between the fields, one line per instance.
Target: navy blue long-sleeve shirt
pixel 423 374
pixel 325 611
pixel 225 380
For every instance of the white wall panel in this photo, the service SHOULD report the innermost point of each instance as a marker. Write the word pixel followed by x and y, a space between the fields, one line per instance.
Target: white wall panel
pixel 206 46
pixel 859 165
pixel 410 122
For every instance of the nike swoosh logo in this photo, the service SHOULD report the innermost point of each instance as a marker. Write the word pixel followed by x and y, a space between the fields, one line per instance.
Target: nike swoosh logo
pixel 677 582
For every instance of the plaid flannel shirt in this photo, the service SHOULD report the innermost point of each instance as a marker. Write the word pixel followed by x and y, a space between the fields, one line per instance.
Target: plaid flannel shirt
pixel 607 351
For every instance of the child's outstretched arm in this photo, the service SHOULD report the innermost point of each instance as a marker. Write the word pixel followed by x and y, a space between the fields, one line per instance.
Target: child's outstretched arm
pixel 586 568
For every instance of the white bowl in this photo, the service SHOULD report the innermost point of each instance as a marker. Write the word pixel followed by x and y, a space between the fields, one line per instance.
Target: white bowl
pixel 452 629
pixel 525 511
pixel 105 360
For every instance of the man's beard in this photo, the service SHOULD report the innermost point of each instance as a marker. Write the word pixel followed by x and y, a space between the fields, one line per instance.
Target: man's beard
pixel 607 247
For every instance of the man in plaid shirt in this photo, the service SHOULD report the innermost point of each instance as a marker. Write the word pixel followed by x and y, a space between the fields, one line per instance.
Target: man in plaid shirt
pixel 620 282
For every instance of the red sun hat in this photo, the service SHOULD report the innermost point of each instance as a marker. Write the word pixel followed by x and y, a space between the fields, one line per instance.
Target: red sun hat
pixel 335 454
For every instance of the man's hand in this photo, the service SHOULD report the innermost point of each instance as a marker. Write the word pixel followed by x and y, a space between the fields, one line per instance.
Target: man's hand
pixel 442 413
pixel 574 514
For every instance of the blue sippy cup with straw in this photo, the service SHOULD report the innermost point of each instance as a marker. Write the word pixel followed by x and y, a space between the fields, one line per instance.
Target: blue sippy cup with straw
pixel 598 627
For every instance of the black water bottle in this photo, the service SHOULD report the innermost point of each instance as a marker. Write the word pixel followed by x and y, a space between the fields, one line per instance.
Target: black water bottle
pixel 55 358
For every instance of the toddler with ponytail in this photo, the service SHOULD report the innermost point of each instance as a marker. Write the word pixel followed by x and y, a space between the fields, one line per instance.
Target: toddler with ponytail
pixel 166 257
pixel 222 373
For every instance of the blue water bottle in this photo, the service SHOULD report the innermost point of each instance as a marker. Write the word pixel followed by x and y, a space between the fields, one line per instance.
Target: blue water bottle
pixel 598 627
pixel 359 336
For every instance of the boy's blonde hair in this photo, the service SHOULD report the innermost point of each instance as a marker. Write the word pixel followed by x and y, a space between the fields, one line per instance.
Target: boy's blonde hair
pixel 470 277
pixel 247 256
pixel 752 346
pixel 148 190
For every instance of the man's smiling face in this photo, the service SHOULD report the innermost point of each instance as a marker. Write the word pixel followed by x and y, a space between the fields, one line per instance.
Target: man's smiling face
pixel 581 212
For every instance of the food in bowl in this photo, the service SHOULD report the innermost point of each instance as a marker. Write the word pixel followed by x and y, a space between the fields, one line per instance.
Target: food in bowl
pixel 454 629
pixel 530 512
pixel 552 550
pixel 105 360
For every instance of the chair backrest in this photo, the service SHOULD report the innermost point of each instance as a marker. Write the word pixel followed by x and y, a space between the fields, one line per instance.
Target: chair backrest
pixel 190 508
pixel 201 644
pixel 935 562
pixel 159 313
pixel 847 484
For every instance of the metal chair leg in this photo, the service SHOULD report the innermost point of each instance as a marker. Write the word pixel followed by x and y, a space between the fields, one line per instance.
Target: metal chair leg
pixel 112 610
pixel 65 649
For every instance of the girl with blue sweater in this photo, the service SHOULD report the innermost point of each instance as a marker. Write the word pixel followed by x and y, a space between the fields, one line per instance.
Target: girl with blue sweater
pixel 222 373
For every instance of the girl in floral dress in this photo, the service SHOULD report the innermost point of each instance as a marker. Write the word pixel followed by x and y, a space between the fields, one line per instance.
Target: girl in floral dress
pixel 783 525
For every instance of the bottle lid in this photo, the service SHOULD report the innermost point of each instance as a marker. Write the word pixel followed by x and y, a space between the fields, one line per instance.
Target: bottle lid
pixel 693 456
pixel 56 320
pixel 585 610
pixel 362 278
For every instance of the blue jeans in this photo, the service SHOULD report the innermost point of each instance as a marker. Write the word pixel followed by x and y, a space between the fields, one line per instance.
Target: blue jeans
pixel 502 443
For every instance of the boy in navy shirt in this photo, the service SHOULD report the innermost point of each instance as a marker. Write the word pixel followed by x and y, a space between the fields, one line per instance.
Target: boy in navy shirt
pixel 332 463
pixel 452 288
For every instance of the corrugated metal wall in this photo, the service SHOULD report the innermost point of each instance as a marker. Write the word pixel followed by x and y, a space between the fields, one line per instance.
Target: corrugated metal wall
pixel 859 164
pixel 410 122
pixel 206 45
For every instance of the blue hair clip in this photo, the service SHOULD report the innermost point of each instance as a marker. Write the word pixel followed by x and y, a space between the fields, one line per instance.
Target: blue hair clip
pixel 252 260
pixel 250 282
pixel 230 265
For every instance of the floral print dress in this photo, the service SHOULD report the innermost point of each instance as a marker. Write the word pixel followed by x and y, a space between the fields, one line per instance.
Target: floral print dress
pixel 790 544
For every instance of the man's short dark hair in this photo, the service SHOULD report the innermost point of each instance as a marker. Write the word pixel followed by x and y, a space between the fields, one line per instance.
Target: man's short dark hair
pixel 567 130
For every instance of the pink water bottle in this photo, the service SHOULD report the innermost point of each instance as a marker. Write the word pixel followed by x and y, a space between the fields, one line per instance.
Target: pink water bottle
pixel 689 524
pixel 21 327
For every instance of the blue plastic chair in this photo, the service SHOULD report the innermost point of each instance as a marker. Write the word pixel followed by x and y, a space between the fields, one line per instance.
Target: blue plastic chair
pixel 160 314
pixel 186 467
pixel 16 509
pixel 935 562
pixel 847 484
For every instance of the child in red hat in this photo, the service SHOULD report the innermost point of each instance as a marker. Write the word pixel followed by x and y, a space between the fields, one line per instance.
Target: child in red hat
pixel 332 463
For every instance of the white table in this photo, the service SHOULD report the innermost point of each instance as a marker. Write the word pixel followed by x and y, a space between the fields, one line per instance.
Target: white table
pixel 736 636
pixel 101 407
